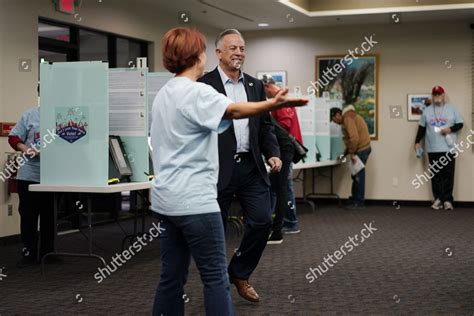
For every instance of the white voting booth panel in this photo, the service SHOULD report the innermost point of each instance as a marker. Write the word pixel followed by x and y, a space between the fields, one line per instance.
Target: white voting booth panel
pixel 128 116
pixel 322 130
pixel 83 103
pixel 314 123
pixel 306 117
pixel 335 131
pixel 74 106
pixel 316 129
pixel 156 81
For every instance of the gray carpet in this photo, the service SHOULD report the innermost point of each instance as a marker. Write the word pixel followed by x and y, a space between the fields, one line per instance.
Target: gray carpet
pixel 402 268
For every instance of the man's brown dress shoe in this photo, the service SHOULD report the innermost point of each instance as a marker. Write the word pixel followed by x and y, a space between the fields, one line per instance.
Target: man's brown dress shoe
pixel 245 290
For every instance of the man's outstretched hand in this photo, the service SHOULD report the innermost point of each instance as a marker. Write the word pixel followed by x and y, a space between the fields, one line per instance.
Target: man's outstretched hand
pixel 283 100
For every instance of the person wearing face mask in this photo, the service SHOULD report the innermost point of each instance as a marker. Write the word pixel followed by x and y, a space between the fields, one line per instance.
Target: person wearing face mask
pixel 439 124
pixel 242 172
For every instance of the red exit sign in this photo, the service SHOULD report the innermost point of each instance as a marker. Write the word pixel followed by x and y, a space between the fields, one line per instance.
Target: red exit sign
pixel 65 6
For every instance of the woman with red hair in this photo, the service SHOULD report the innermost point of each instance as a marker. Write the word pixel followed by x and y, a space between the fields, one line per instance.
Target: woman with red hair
pixel 186 119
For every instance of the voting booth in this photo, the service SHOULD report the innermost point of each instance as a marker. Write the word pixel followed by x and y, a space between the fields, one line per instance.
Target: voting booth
pixel 315 123
pixel 335 132
pixel 100 118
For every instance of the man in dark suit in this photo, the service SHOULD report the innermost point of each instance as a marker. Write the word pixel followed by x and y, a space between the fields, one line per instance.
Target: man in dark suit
pixel 242 170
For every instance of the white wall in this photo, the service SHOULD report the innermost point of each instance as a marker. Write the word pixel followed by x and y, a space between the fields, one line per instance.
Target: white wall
pixel 412 60
pixel 19 39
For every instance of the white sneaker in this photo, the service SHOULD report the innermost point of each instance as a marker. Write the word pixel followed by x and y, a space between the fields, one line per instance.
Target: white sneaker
pixel 437 205
pixel 448 206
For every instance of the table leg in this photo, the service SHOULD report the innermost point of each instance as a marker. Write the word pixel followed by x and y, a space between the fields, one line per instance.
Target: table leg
pixel 146 204
pixel 55 228
pixel 68 254
pixel 314 195
pixel 89 222
pixel 304 199
pixel 332 187
pixel 143 210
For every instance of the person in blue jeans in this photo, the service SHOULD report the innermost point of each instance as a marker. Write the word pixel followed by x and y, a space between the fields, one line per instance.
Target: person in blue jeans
pixel 357 141
pixel 186 119
pixel 290 222
pixel 282 195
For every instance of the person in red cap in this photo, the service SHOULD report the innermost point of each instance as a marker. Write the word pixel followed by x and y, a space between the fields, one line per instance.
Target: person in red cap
pixel 438 125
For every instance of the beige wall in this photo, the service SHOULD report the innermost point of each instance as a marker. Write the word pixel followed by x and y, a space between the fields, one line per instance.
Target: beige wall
pixel 19 39
pixel 412 60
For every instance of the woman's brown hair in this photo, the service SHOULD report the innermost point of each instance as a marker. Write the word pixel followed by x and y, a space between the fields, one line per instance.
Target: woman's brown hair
pixel 181 48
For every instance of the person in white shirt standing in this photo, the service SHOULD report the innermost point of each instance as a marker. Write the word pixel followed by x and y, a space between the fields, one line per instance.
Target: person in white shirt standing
pixel 439 124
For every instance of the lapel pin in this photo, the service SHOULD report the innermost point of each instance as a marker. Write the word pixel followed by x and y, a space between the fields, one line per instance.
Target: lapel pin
pixel 251 84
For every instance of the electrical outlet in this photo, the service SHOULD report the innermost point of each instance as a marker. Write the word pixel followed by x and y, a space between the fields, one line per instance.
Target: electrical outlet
pixel 395 181
pixel 10 209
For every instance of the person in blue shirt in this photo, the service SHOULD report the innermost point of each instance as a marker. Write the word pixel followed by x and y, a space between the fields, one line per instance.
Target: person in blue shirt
pixel 439 124
pixel 186 119
pixel 25 138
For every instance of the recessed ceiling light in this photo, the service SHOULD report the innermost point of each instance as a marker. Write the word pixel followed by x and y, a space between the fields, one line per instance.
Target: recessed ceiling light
pixel 263 24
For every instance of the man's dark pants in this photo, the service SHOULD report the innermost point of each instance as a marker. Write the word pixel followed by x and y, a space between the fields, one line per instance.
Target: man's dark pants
pixel 358 181
pixel 33 205
pixel 254 196
pixel 442 182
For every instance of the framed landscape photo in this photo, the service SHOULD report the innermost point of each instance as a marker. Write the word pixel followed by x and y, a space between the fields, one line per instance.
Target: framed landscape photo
pixel 354 80
pixel 416 105
pixel 278 76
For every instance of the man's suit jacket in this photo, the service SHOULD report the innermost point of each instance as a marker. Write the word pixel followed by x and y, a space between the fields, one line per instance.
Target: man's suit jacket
pixel 261 131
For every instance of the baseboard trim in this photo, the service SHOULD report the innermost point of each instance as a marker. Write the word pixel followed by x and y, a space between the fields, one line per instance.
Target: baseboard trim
pixel 10 240
pixel 462 204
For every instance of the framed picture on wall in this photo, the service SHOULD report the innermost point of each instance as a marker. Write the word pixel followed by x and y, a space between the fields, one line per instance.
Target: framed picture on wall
pixel 354 80
pixel 416 105
pixel 278 76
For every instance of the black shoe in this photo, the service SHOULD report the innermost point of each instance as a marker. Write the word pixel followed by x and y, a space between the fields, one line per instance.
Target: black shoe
pixel 276 238
pixel 354 206
pixel 348 202
pixel 53 260
pixel 26 261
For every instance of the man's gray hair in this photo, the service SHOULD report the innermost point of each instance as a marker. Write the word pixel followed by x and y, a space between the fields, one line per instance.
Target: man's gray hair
pixel 226 32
